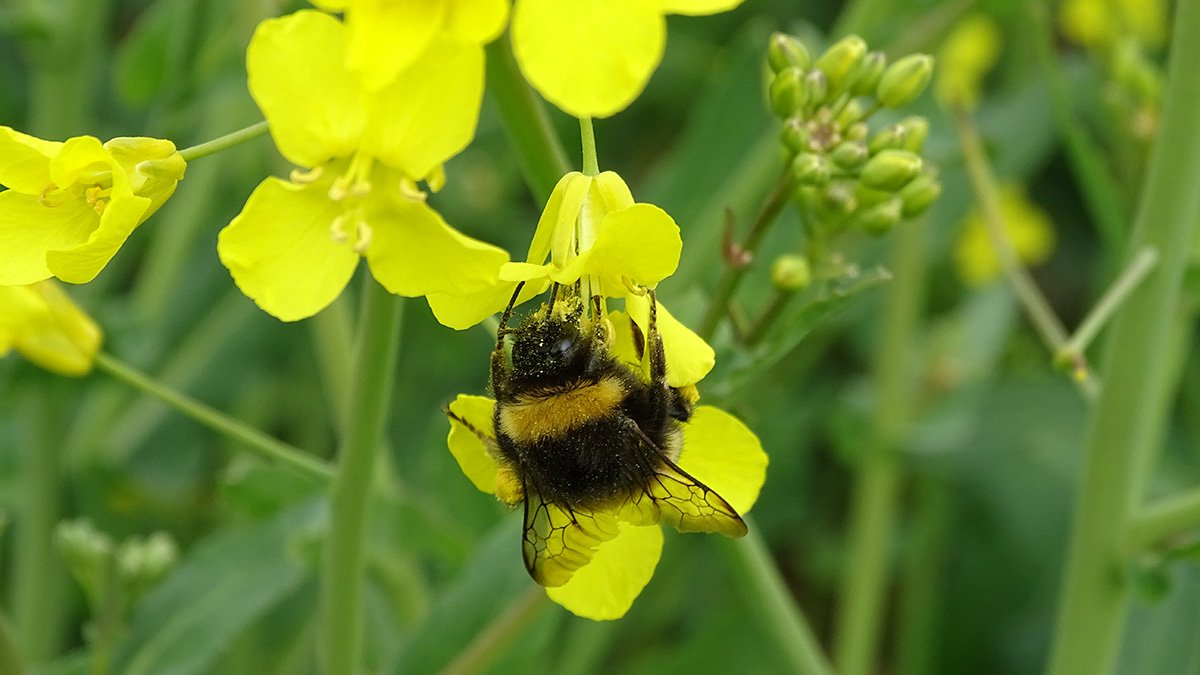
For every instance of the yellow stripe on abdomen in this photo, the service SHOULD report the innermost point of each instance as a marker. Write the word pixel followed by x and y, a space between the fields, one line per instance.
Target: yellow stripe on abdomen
pixel 535 417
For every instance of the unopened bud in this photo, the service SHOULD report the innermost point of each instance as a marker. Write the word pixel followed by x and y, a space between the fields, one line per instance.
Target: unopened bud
pixel 849 114
pixel 920 194
pixel 787 92
pixel 890 170
pixel 840 61
pixel 791 272
pixel 839 199
pixel 794 135
pixel 817 85
pixel 891 137
pixel 849 155
pixel 904 80
pixel 856 132
pixel 784 50
pixel 866 77
pixel 878 219
pixel 810 169
pixel 916 129
pixel 868 197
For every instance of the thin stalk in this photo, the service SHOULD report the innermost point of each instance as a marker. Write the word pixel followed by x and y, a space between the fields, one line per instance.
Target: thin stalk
pixel 500 633
pixel 591 165
pixel 250 438
pixel 342 569
pixel 880 473
pixel 1037 308
pixel 1169 516
pixel 718 305
pixel 1102 311
pixel 922 586
pixel 10 657
pixel 1129 415
pixel 771 313
pixel 540 152
pixel 859 16
pixel 224 142
pixel 772 601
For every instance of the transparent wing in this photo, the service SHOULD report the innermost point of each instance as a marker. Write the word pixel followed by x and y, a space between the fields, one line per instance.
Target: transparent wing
pixel 559 540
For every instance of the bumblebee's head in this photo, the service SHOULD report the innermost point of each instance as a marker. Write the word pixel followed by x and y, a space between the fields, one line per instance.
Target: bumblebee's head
pixel 551 350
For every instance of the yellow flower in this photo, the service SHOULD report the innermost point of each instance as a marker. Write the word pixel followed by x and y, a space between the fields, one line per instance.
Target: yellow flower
pixel 1027 227
pixel 41 322
pixel 70 206
pixel 387 36
pixel 617 240
pixel 718 450
pixel 1101 23
pixel 967 55
pixel 296 243
pixel 592 58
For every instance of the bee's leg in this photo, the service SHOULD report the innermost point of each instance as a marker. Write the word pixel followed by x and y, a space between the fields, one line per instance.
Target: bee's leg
pixel 654 347
pixel 553 297
pixel 499 370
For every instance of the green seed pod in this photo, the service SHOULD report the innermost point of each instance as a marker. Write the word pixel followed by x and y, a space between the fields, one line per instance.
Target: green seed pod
pixel 891 137
pixel 890 170
pixel 904 80
pixel 810 169
pixel 795 135
pixel 784 50
pixel 787 92
pixel 817 85
pixel 849 114
pixel 866 77
pixel 791 272
pixel 916 129
pixel 840 61
pixel 849 155
pixel 920 194
pixel 878 219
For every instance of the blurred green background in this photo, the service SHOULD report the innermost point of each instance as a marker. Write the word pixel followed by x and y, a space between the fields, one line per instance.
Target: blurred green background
pixel 988 459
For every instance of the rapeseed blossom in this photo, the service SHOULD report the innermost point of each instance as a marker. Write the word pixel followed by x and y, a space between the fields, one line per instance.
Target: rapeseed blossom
pixel 1026 226
pixel 41 323
pixel 296 243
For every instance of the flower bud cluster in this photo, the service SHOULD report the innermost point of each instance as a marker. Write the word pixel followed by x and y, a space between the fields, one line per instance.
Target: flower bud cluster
pixel 848 174
pixel 104 567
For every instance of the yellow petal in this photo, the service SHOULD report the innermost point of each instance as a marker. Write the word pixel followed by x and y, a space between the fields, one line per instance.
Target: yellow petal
pixel 558 216
pixel 611 192
pixel 428 113
pixel 476 21
pixel 519 271
pixel 459 311
pixel 81 263
pixel 605 588
pixel 331 5
pixel 153 167
pixel 689 358
pixel 641 242
pixel 47 328
pixel 725 455
pixel 698 7
pixel 25 161
pixel 29 230
pixel 298 79
pixel 468 448
pixel 386 36
pixel 83 160
pixel 280 251
pixel 414 252
pixel 590 58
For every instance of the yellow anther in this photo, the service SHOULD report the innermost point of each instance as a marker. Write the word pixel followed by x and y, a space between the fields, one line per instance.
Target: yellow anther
pixel 337 229
pixel 364 232
pixel 303 177
pixel 52 196
pixel 410 191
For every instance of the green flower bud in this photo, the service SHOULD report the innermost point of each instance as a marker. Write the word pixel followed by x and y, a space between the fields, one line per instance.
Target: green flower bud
pixel 849 114
pixel 890 170
pixel 891 137
pixel 868 197
pixel 857 132
pixel 817 85
pixel 904 80
pixel 849 155
pixel 783 51
pixel 795 135
pixel 878 219
pixel 787 92
pixel 791 273
pixel 916 129
pixel 839 199
pixel 810 169
pixel 840 61
pixel 920 194
pixel 866 77
pixel 88 553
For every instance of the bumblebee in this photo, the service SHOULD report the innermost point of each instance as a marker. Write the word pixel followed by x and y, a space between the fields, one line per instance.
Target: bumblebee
pixel 587 442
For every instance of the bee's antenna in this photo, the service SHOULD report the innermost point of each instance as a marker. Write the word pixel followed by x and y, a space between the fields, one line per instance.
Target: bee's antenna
pixel 553 297
pixel 502 329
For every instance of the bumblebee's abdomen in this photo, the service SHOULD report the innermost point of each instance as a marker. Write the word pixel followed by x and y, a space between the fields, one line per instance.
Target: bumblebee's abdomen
pixel 537 416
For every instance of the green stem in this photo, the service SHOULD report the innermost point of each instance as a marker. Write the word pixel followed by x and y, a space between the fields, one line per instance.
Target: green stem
pixel 10 657
pixel 1167 517
pixel 772 601
pixel 342 569
pixel 718 306
pixel 1129 415
pixel 591 166
pixel 500 633
pixel 253 439
pixel 877 486
pixel 1134 274
pixel 771 313
pixel 540 153
pixel 859 16
pixel 923 584
pixel 224 142
pixel 1037 308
